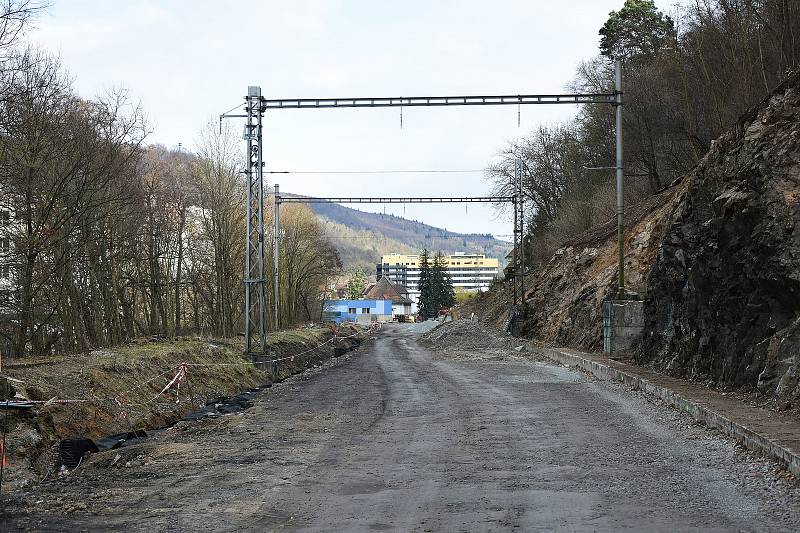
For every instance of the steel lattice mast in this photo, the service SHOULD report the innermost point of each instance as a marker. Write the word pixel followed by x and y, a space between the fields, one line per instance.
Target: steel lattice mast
pixel 255 333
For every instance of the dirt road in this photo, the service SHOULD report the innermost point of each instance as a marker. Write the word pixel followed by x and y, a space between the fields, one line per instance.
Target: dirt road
pixel 395 437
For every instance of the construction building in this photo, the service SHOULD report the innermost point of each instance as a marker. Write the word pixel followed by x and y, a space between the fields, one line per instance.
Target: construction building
pixel 358 311
pixel 469 272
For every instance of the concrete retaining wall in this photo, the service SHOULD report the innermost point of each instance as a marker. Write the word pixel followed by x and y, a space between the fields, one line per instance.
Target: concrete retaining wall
pixel 623 324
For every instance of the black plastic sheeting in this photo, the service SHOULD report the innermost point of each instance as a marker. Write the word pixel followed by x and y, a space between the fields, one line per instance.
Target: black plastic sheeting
pixel 73 450
pixel 112 442
pixel 224 406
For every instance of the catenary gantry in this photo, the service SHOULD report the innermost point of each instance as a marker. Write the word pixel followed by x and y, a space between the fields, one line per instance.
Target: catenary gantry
pixel 256 105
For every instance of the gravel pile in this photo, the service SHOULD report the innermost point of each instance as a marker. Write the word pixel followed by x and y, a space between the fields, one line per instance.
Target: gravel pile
pixel 419 327
pixel 467 335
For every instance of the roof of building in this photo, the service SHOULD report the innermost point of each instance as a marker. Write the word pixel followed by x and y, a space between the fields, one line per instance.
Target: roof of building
pixel 458 258
pixel 384 289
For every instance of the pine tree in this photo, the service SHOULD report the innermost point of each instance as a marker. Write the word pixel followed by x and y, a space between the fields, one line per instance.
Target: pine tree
pixel 445 295
pixel 426 304
pixel 638 30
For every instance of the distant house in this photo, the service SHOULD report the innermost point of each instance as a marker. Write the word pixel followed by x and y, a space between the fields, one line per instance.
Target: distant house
pixel 359 311
pixel 336 290
pixel 384 289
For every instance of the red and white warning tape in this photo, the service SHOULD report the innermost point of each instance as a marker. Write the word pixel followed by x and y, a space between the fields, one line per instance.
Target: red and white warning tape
pixel 179 378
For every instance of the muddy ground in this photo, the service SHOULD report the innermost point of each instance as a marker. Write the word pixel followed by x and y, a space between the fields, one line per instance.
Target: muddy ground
pixel 134 375
pixel 397 436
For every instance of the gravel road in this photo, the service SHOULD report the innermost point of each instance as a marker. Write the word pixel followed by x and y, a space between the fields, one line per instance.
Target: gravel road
pixel 396 437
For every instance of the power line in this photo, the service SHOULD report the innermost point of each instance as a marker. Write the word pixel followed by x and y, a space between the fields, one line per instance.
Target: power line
pixel 374 171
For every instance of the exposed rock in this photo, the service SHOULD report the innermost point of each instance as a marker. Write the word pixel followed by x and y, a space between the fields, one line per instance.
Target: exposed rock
pixel 716 257
pixel 724 291
pixel 564 303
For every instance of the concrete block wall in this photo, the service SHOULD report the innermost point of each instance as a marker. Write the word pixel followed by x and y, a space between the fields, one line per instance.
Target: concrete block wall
pixel 623 324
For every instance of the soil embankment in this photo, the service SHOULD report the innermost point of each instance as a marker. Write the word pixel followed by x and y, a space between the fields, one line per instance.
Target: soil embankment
pixel 117 390
pixel 716 257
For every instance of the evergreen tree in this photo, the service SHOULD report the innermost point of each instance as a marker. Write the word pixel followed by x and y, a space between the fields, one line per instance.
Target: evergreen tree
pixel 638 30
pixel 435 285
pixel 445 295
pixel 426 304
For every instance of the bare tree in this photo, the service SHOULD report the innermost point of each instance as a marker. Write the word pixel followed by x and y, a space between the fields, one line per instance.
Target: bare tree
pixel 61 159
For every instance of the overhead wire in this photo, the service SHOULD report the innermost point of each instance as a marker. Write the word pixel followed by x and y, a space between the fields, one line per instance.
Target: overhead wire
pixel 374 171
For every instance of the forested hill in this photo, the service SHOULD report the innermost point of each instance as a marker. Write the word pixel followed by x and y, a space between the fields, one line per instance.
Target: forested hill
pixel 362 237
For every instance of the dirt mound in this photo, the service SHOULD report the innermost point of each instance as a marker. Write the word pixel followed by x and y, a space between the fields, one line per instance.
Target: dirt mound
pixel 466 335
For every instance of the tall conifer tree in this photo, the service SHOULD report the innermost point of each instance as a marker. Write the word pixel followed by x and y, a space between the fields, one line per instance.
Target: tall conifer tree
pixel 427 307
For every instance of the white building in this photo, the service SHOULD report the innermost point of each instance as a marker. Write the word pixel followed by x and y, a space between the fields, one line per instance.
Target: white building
pixel 469 272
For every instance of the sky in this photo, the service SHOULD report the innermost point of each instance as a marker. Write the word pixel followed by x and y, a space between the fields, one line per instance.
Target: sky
pixel 187 61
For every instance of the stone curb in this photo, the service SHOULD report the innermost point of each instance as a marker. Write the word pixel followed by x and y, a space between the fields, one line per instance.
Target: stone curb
pixel 747 437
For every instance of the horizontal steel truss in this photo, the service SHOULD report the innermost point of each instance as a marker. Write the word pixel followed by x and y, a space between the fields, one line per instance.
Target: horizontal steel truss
pixel 440 101
pixel 434 101
pixel 395 200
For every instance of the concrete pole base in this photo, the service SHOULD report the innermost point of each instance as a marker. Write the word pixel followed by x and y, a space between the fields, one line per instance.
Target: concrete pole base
pixel 623 325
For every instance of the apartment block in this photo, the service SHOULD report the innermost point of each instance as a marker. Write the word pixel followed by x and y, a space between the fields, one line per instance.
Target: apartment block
pixel 470 272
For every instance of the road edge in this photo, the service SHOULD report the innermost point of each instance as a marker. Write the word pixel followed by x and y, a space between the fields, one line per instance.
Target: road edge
pixel 742 434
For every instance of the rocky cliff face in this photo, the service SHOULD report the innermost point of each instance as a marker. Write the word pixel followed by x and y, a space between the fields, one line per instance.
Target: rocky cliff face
pixel 716 257
pixel 723 299
pixel 565 296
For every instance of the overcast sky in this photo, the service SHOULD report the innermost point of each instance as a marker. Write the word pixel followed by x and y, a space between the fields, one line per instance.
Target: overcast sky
pixel 188 61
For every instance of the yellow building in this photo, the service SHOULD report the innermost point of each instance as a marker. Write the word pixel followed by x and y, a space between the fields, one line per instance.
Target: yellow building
pixel 470 272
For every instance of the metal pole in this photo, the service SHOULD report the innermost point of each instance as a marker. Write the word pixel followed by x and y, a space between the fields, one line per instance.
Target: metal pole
pixel 254 303
pixel 516 242
pixel 262 297
pixel 521 230
pixel 620 205
pixel 248 229
pixel 276 254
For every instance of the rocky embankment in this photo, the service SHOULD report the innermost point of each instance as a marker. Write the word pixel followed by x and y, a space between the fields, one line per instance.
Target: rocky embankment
pixel 716 257
pixel 724 291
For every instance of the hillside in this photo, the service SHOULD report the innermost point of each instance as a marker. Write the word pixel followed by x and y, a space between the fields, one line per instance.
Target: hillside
pixel 362 237
pixel 716 257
